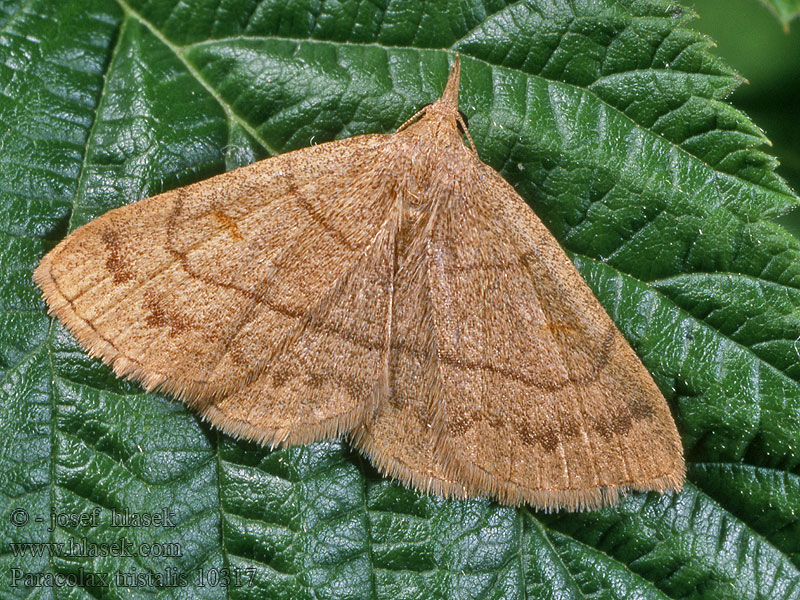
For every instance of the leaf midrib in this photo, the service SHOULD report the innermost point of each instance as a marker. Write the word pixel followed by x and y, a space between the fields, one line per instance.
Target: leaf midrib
pixel 179 51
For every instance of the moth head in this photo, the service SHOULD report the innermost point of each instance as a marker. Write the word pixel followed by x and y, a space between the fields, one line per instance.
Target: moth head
pixel 442 118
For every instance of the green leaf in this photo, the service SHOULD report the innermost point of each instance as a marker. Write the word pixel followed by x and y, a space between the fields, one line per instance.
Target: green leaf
pixel 608 116
pixel 750 39
pixel 785 10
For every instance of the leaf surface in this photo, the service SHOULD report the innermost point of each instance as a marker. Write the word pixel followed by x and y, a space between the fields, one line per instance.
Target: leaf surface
pixel 608 116
pixel 785 10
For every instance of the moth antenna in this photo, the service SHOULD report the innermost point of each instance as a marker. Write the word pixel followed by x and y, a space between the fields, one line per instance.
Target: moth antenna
pixel 413 118
pixel 464 128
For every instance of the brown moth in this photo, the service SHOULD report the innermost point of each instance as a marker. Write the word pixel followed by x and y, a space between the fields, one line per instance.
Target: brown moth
pixel 389 287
